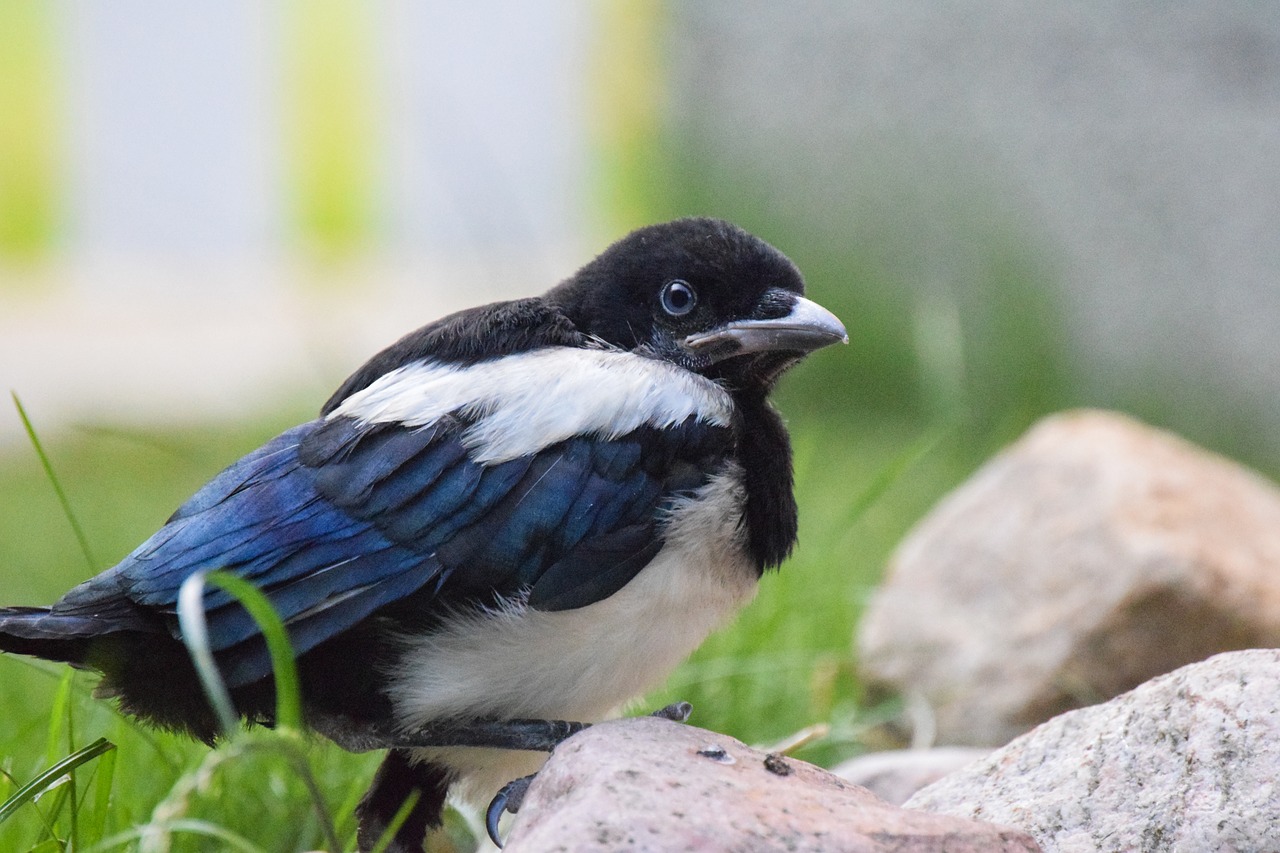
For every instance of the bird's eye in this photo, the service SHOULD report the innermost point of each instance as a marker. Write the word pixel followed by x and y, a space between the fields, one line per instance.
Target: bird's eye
pixel 678 298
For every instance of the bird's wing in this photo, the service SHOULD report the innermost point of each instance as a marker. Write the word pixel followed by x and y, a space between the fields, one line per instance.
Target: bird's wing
pixel 340 517
pixel 265 519
pixel 571 523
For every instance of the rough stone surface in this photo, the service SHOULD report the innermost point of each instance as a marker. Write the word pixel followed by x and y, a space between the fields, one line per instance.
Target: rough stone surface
pixel 649 784
pixel 1189 762
pixel 1092 555
pixel 895 774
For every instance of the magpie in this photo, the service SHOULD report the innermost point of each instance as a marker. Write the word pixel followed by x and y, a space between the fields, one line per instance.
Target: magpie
pixel 523 513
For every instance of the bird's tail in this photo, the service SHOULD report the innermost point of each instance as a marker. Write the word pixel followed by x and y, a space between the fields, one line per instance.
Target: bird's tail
pixel 42 633
pixel 134 656
pixel 81 627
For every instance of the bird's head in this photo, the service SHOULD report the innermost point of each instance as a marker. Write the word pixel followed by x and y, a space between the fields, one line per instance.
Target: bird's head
pixel 704 294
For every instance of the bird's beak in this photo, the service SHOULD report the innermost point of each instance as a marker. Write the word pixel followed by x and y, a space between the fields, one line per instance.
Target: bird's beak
pixel 807 327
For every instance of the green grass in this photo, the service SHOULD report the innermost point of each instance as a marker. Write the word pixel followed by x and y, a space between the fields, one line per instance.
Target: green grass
pixel 783 665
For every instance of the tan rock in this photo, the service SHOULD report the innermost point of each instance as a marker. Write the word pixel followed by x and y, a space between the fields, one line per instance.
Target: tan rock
pixel 1186 762
pixel 652 785
pixel 1092 555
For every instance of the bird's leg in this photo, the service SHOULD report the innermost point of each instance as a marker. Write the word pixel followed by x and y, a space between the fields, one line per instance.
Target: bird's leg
pixel 534 735
pixel 396 781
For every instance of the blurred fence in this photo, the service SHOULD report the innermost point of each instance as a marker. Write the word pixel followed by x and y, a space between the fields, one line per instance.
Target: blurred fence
pixel 241 128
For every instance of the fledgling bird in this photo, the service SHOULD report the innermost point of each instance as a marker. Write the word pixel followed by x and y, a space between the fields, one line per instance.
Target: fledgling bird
pixel 530 510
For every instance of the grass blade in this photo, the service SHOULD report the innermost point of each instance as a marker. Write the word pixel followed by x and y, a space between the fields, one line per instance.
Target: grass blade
pixel 57 487
pixel 50 777
pixel 195 635
pixel 102 794
pixel 228 839
pixel 59 717
pixel 894 470
pixel 283 666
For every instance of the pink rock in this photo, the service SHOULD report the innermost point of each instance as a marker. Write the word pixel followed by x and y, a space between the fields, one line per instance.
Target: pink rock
pixel 651 785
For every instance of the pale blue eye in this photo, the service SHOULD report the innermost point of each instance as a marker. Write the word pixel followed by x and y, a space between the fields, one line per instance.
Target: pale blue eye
pixel 678 298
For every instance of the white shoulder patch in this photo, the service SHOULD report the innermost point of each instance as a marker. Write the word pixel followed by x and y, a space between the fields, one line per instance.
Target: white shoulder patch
pixel 522 403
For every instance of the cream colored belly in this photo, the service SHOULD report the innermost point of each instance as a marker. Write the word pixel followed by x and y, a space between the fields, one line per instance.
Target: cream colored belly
pixel 580 664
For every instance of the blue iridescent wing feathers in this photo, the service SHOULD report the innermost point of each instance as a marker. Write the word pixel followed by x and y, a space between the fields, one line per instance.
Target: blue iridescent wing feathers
pixel 336 519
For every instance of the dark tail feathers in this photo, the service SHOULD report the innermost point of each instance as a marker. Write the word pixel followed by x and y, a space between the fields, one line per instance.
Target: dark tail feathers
pixel 39 632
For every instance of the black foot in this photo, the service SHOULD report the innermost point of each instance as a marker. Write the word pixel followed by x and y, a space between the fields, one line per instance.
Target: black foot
pixel 508 799
pixel 511 796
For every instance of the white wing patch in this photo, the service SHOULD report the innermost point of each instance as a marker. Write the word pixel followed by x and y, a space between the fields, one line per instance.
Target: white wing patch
pixel 522 403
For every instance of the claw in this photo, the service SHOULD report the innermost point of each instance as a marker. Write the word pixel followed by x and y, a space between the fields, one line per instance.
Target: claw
pixel 508 799
pixel 676 712
pixel 511 795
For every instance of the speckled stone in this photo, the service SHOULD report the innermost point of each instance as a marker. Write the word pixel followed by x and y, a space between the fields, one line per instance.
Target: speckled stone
pixel 1189 761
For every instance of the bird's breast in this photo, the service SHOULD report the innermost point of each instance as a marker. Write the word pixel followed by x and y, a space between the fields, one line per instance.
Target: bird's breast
pixel 517 662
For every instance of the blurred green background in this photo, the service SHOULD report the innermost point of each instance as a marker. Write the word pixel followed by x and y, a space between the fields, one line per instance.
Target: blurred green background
pixel 210 214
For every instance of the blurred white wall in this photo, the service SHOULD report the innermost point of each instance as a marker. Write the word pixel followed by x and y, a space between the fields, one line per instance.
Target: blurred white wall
pixel 169 129
pixel 181 285
pixel 176 113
